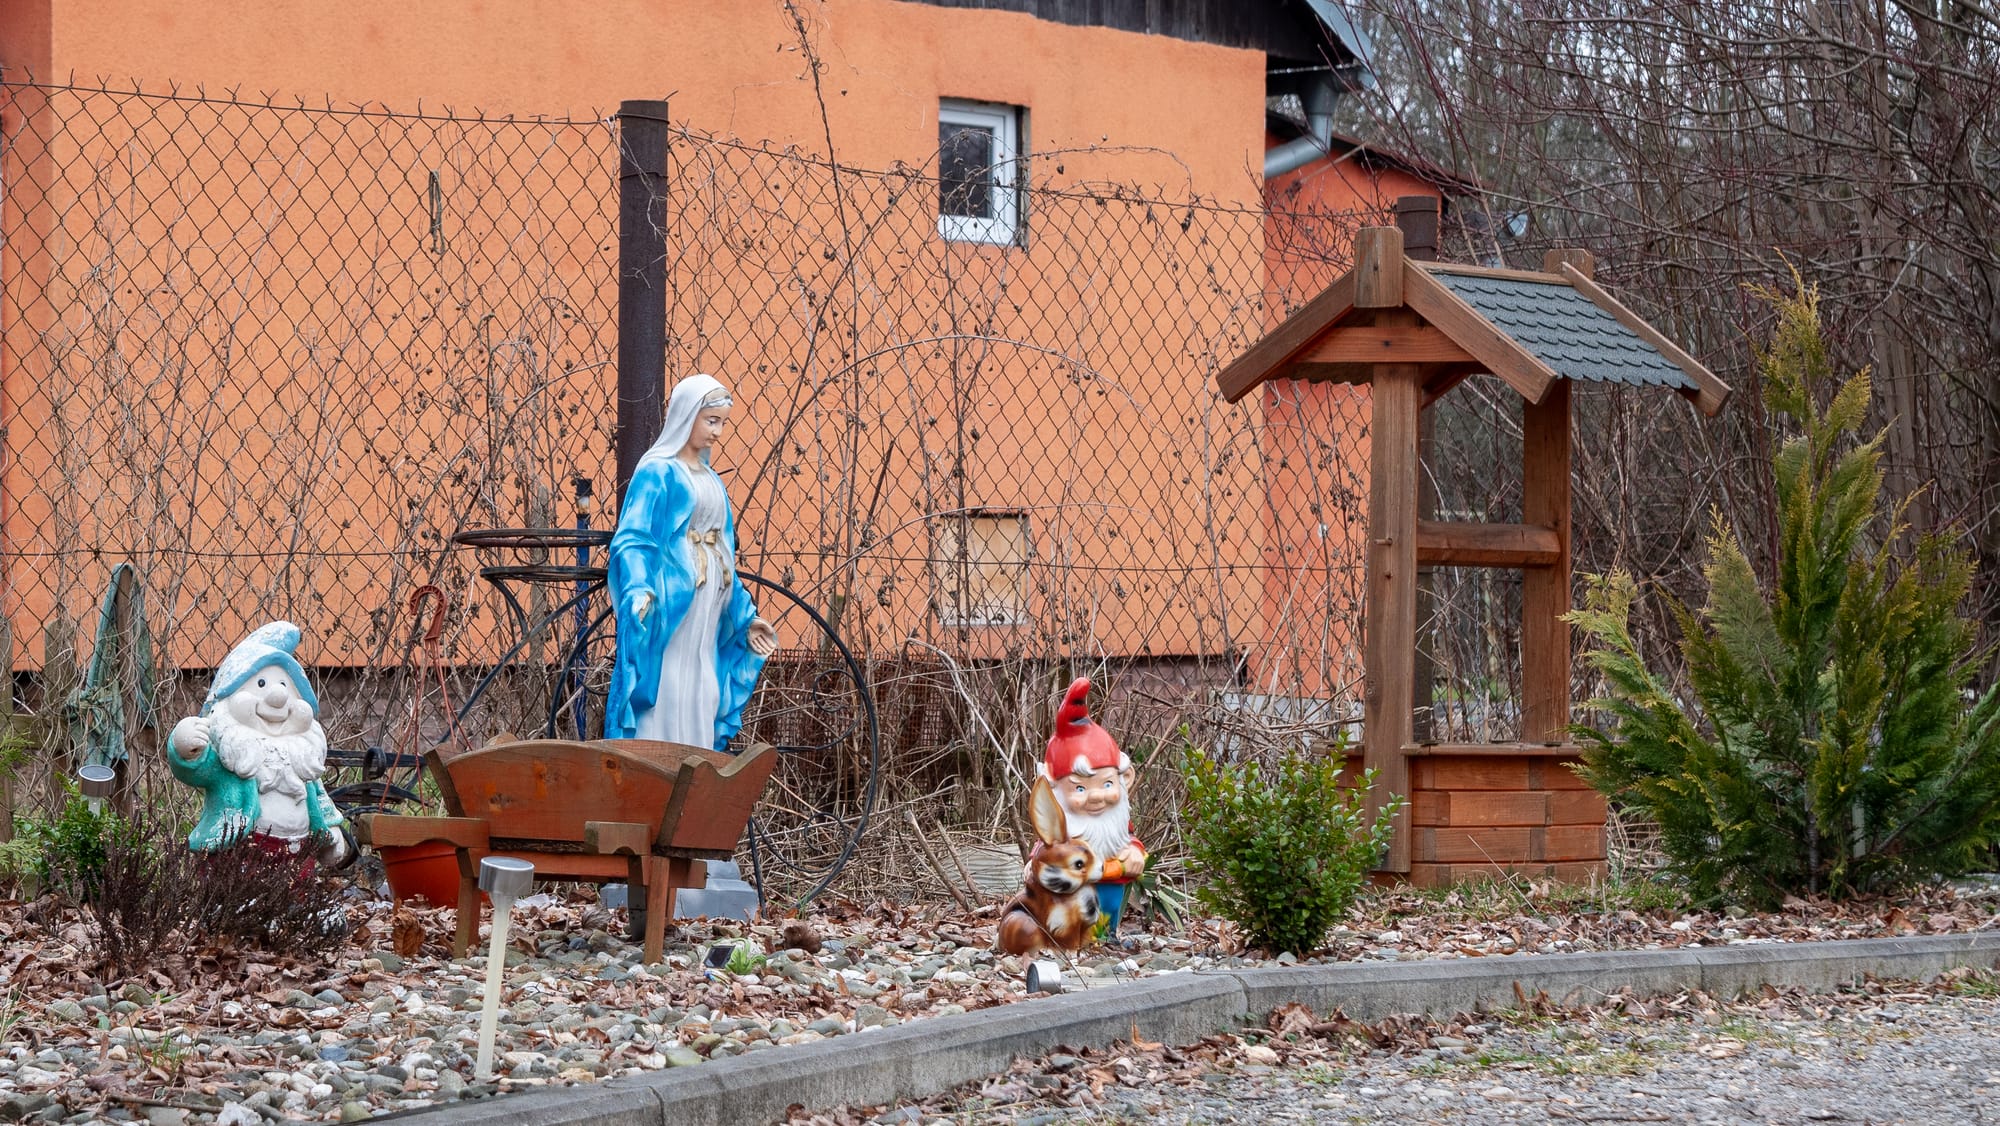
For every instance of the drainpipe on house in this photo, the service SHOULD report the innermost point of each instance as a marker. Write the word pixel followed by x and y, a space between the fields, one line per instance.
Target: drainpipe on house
pixel 1319 100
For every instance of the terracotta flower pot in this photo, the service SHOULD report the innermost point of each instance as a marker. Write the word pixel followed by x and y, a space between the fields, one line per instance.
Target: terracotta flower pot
pixel 427 872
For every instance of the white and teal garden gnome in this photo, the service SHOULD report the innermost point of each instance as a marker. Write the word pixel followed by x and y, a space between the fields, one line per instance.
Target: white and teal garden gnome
pixel 257 751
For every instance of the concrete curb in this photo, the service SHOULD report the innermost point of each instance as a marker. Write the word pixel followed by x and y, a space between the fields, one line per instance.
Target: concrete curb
pixel 924 1057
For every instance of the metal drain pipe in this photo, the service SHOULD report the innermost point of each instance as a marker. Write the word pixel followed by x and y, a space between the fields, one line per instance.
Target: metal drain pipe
pixel 1319 100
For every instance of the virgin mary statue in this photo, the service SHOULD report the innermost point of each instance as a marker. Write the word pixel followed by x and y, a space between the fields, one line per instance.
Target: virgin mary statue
pixel 690 643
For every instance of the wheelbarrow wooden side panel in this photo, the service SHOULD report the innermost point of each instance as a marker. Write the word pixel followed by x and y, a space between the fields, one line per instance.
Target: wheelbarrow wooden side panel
pixel 544 790
pixel 712 803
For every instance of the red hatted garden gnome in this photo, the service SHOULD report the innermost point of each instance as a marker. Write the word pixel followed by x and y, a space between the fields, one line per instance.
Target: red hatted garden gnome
pixel 1093 779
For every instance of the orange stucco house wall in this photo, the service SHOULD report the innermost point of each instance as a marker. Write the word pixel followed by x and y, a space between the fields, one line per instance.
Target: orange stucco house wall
pixel 1182 114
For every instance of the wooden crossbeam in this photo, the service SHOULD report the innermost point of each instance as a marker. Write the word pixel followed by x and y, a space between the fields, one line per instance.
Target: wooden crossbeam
pixel 1460 544
pixel 1377 344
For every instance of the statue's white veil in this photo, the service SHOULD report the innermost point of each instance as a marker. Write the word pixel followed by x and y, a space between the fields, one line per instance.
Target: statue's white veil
pixel 689 396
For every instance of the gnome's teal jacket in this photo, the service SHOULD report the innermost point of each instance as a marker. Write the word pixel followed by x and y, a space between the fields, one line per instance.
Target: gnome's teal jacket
pixel 230 805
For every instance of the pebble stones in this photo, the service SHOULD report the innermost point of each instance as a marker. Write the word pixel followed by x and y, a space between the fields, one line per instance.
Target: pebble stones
pixel 378 1033
pixel 1831 1058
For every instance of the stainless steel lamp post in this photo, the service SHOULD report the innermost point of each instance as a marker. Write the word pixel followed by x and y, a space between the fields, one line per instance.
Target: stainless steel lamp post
pixel 504 879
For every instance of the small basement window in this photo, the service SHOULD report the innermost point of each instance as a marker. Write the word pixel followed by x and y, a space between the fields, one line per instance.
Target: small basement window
pixel 981 567
pixel 979 172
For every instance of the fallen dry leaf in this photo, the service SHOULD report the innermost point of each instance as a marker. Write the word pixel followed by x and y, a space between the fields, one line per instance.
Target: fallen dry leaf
pixel 799 935
pixel 406 932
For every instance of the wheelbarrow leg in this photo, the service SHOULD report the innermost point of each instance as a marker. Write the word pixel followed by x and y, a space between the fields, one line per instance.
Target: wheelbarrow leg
pixel 637 865
pixel 468 906
pixel 663 875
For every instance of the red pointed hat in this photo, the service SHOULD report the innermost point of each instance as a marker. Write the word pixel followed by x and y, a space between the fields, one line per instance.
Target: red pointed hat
pixel 1077 741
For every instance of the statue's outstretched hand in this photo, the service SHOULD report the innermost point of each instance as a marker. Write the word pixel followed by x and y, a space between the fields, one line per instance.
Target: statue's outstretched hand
pixel 642 605
pixel 763 637
pixel 190 736
pixel 338 849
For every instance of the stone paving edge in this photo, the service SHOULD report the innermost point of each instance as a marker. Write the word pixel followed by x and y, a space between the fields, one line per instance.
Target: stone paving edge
pixel 924 1057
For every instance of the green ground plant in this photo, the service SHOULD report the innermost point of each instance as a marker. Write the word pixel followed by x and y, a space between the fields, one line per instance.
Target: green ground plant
pixel 1494 898
pixel 1978 983
pixel 67 853
pixel 1829 746
pixel 18 861
pixel 744 961
pixel 1281 855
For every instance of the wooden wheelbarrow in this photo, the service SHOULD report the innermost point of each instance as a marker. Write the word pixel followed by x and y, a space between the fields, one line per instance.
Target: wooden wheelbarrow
pixel 624 809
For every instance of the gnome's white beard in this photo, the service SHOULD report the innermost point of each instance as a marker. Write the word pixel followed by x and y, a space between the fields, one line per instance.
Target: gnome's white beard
pixel 1108 833
pixel 282 764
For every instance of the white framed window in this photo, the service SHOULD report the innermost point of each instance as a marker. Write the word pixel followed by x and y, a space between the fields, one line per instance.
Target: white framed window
pixel 982 567
pixel 979 172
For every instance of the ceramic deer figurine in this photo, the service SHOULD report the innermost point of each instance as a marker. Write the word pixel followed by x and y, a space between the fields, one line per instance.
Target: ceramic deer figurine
pixel 1057 909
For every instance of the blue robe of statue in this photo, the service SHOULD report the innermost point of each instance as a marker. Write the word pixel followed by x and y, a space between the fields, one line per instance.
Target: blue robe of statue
pixel 651 551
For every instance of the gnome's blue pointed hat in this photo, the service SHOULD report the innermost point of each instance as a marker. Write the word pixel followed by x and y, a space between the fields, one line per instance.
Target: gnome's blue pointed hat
pixel 270 645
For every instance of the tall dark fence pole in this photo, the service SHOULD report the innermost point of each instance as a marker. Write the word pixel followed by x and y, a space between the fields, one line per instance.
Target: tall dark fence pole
pixel 642 281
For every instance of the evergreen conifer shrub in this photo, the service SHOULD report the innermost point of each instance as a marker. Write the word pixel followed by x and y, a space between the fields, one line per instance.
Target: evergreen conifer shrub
pixel 1831 745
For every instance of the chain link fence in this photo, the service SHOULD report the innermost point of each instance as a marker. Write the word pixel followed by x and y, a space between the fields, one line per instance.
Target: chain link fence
pixel 993 467
pixel 275 357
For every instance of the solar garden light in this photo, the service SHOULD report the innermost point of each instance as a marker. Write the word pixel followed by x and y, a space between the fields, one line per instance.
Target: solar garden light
pixel 96 782
pixel 1045 976
pixel 504 879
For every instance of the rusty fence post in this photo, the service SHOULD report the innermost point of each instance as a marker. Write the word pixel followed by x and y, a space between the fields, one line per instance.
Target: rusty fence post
pixel 7 769
pixel 58 681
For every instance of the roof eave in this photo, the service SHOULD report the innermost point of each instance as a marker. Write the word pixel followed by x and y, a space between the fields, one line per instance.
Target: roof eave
pixel 1275 355
pixel 1710 393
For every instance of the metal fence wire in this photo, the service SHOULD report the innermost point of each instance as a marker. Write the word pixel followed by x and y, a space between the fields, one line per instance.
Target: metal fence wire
pixel 275 357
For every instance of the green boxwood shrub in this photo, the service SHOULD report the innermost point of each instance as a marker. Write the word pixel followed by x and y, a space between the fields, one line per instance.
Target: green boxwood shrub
pixel 1283 854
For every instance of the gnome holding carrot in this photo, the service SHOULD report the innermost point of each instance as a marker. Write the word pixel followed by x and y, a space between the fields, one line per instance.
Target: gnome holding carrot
pixel 1093 780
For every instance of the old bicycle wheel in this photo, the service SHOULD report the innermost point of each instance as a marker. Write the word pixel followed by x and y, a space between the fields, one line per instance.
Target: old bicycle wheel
pixel 814 705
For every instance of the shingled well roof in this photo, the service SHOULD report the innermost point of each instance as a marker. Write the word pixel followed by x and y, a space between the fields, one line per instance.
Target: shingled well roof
pixel 1567 331
pixel 1529 328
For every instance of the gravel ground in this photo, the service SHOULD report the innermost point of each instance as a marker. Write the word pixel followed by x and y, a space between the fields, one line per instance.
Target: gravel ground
pixel 391 1023
pixel 375 1031
pixel 1887 1054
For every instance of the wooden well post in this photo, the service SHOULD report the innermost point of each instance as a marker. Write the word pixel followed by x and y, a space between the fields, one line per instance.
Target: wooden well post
pixel 1390 628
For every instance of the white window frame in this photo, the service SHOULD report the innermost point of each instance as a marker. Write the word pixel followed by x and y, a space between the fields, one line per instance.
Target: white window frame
pixel 1004 227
